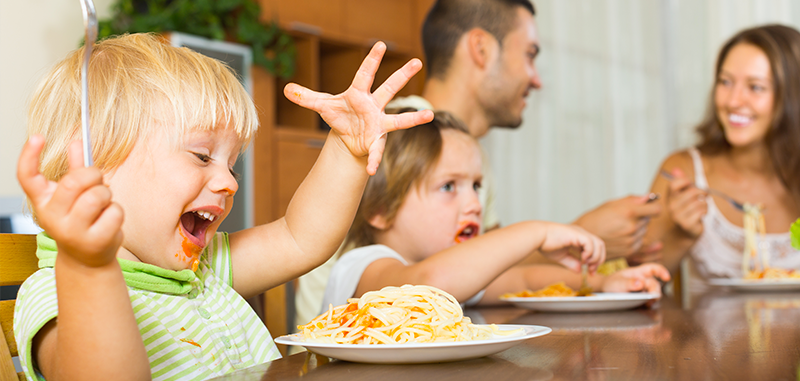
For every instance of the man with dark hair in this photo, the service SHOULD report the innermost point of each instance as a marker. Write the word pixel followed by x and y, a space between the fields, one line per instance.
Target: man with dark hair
pixel 480 60
pixel 480 56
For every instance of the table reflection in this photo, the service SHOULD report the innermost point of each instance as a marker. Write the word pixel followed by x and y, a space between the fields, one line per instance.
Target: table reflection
pixel 719 335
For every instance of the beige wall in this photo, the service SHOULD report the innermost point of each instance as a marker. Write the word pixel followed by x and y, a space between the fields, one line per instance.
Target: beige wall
pixel 34 34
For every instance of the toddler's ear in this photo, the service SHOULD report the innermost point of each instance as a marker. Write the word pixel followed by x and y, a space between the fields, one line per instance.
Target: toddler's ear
pixel 379 222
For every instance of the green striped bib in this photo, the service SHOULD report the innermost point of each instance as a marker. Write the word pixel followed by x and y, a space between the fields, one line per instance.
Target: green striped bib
pixel 193 324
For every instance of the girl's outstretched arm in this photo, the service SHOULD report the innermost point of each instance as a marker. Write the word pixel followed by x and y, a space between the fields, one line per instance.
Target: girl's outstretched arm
pixel 323 207
pixel 466 268
pixel 95 335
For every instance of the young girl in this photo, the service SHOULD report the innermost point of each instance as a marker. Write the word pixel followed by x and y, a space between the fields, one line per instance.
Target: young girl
pixel 419 219
pixel 749 149
pixel 135 281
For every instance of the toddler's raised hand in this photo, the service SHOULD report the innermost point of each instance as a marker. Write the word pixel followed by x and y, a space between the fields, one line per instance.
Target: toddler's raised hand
pixel 356 115
pixel 77 211
pixel 561 240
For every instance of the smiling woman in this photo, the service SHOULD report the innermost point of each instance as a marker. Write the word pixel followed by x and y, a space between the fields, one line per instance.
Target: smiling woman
pixel 749 150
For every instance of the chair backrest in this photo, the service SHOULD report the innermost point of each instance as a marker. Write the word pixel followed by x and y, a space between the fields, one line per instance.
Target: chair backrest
pixel 17 262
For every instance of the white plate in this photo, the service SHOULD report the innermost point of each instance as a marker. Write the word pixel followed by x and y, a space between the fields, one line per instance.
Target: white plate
pixel 418 353
pixel 601 301
pixel 757 285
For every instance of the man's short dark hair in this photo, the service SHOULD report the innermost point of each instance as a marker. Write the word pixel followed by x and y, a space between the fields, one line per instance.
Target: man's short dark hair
pixel 448 20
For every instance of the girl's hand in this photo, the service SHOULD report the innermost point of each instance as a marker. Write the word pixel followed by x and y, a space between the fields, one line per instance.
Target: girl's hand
pixel 686 204
pixel 356 116
pixel 561 240
pixel 640 278
pixel 77 212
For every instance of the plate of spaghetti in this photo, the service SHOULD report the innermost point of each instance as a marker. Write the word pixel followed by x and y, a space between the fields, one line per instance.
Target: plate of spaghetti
pixel 405 325
pixel 764 284
pixel 559 297
pixel 758 274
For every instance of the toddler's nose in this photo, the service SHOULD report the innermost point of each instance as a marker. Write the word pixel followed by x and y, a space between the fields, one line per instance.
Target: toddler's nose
pixel 224 182
pixel 472 204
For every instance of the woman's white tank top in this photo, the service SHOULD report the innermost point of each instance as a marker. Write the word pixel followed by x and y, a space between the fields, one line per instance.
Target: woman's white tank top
pixel 718 251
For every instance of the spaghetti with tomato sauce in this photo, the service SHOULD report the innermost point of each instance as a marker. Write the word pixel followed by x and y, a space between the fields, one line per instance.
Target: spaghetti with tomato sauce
pixel 396 315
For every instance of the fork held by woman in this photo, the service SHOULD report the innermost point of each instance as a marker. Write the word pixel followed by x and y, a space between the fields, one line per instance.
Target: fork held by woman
pixel 736 204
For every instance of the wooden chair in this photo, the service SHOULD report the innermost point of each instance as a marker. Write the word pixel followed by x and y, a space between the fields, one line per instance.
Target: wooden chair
pixel 17 262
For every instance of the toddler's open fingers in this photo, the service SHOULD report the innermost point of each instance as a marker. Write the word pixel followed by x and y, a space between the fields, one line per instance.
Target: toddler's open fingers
pixel 387 90
pixel 366 72
pixel 304 97
pixel 375 154
pixel 28 175
pixel 408 119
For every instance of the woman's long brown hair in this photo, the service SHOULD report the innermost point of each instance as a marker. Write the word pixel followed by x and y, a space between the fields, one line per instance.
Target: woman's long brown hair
pixel 781 44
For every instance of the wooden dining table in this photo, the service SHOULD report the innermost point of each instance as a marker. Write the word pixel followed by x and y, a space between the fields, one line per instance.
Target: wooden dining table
pixel 717 335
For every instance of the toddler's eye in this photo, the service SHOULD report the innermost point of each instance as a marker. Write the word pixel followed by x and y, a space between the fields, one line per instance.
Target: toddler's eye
pixel 449 187
pixel 236 176
pixel 476 186
pixel 203 157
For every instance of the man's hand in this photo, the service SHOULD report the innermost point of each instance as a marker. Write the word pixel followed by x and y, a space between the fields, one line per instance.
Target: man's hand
pixel 620 223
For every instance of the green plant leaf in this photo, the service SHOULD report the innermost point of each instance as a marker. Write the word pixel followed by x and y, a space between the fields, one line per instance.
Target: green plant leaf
pixel 216 19
pixel 794 231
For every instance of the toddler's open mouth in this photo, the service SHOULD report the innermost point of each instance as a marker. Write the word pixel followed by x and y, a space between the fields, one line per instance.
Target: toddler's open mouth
pixel 194 225
pixel 467 231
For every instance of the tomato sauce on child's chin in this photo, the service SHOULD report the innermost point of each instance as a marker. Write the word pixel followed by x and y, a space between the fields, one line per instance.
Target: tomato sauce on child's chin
pixel 191 252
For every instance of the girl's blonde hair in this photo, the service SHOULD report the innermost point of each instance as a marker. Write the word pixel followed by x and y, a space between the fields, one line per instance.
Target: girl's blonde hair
pixel 407 159
pixel 137 84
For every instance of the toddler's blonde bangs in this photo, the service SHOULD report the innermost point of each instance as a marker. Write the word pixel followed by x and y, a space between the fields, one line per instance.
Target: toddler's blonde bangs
pixel 136 83
pixel 201 93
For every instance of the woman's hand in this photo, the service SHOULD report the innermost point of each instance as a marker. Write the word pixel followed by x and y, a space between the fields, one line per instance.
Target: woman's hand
pixel 686 204
pixel 561 240
pixel 77 211
pixel 356 116
pixel 640 278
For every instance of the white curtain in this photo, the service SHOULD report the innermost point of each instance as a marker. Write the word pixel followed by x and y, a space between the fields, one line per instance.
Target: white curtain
pixel 624 83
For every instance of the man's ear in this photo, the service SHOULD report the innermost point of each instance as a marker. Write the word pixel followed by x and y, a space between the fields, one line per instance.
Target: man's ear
pixel 379 222
pixel 480 46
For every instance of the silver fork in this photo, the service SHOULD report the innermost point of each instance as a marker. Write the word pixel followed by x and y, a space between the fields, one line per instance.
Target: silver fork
pixel 736 204
pixel 90 24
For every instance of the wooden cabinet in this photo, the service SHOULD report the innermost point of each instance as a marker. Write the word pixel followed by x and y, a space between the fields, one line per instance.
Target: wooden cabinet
pixel 332 37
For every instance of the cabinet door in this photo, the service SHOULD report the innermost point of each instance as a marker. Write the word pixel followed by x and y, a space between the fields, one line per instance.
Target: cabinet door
pixel 296 156
pixel 389 20
pixel 311 16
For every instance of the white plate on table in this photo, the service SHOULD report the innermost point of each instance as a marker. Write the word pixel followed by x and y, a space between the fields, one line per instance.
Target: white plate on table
pixel 419 353
pixel 601 301
pixel 757 284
